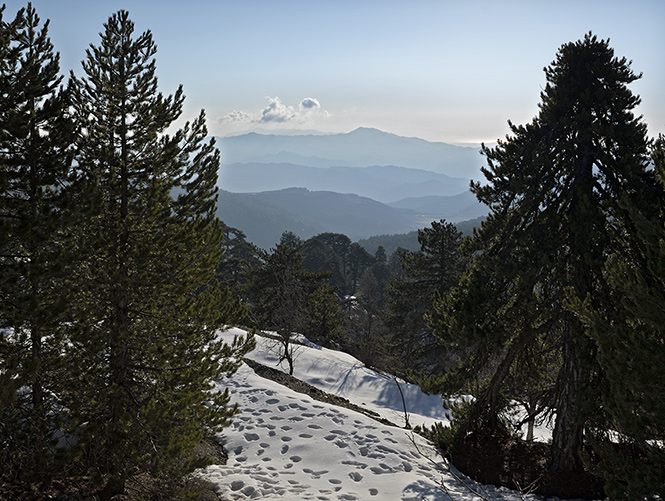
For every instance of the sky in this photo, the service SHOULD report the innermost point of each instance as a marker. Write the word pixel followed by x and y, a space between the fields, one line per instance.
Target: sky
pixel 451 71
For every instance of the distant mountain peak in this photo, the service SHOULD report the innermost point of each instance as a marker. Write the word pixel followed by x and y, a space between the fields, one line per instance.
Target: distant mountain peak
pixel 362 147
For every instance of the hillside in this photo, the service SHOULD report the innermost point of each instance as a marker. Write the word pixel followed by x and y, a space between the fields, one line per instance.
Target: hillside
pixel 263 217
pixel 286 445
pixel 384 183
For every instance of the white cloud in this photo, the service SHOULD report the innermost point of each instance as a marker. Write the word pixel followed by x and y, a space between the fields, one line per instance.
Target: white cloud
pixel 276 111
pixel 309 103
pixel 237 116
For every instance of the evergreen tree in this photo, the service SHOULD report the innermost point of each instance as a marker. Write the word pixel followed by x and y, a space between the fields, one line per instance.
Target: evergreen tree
pixel 554 187
pixel 631 348
pixel 143 351
pixel 431 271
pixel 35 138
pixel 330 252
pixel 238 259
pixel 326 321
pixel 279 293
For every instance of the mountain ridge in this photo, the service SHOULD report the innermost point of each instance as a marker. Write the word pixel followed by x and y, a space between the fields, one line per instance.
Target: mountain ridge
pixel 361 147
pixel 263 217
pixel 385 183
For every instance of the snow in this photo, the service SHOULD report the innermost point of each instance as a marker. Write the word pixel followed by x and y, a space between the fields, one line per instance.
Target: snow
pixel 285 445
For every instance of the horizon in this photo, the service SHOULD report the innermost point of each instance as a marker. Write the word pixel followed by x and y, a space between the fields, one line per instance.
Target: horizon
pixel 312 132
pixel 443 71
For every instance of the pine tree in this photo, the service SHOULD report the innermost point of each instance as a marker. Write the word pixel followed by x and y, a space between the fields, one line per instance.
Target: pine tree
pixel 35 138
pixel 431 271
pixel 631 348
pixel 553 188
pixel 280 291
pixel 144 352
pixel 330 252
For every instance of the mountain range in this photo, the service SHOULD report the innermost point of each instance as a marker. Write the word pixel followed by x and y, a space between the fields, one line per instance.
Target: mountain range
pixel 361 147
pixel 362 183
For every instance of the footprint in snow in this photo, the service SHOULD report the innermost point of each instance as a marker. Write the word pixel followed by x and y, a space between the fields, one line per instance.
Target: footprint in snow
pixel 272 401
pixel 251 437
pixel 357 464
pixel 355 476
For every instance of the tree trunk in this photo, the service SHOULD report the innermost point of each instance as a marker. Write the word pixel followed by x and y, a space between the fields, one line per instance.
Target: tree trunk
pixel 568 434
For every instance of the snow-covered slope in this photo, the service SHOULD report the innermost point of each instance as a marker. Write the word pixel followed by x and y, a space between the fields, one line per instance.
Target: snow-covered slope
pixel 285 445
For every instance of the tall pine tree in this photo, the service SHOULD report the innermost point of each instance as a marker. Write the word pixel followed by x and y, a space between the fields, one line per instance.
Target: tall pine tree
pixel 35 143
pixel 144 353
pixel 631 349
pixel 553 187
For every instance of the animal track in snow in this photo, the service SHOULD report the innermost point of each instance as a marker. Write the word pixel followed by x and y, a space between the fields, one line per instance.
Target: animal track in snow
pixel 355 476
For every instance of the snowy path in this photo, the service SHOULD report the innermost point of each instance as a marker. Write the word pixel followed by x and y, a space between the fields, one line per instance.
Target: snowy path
pixel 285 445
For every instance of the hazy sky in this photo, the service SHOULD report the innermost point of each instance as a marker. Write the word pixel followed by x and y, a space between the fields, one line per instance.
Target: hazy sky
pixel 451 71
